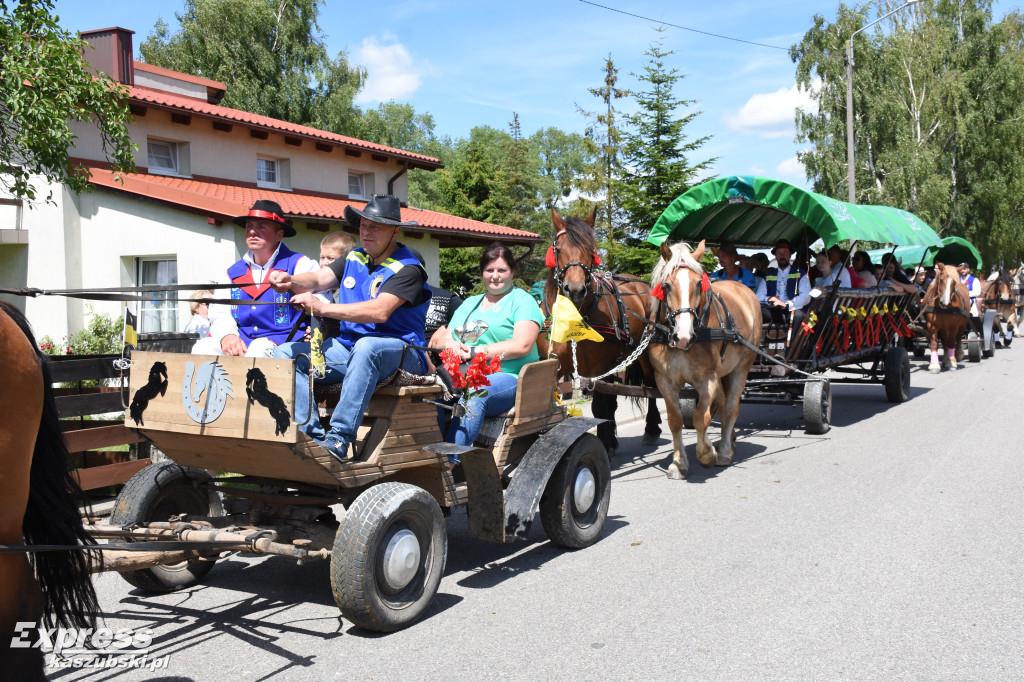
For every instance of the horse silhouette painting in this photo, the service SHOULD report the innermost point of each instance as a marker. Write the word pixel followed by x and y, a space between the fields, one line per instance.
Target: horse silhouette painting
pixel 704 323
pixel 257 391
pixel 155 386
pixel 39 507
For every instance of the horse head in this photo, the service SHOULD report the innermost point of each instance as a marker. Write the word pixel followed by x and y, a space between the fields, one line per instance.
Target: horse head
pixel 679 281
pixel 573 256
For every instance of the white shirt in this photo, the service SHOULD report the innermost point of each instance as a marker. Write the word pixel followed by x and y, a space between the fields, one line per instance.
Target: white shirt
pixel 781 292
pixel 222 323
pixel 804 297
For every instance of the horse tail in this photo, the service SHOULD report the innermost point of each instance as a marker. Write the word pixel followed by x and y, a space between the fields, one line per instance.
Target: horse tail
pixel 52 517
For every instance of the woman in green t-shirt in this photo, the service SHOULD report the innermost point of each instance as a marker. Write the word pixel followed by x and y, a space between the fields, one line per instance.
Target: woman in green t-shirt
pixel 503 321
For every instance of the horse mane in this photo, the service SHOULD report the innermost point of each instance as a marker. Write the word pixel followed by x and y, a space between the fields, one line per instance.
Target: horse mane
pixel 681 256
pixel 580 234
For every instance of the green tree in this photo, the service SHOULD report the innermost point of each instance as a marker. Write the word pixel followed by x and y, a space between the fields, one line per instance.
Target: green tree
pixel 518 182
pixel 656 150
pixel 603 143
pixel 46 82
pixel 939 118
pixel 272 55
pixel 564 159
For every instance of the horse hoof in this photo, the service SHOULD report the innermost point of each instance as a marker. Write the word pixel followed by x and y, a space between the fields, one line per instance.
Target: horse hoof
pixel 651 439
pixel 934 369
pixel 611 452
pixel 674 475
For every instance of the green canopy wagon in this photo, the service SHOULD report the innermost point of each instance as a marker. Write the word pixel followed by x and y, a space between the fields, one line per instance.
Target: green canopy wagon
pixel 855 334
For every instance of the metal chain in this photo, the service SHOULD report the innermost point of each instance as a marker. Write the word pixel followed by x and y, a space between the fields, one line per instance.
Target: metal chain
pixel 644 341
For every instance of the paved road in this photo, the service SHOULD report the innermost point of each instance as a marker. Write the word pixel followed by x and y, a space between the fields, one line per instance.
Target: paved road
pixel 889 549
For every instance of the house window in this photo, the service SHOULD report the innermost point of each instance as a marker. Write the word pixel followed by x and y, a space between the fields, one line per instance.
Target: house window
pixel 267 173
pixel 162 157
pixel 158 313
pixel 360 185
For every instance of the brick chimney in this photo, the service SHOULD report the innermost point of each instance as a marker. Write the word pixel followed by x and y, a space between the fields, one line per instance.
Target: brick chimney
pixel 112 53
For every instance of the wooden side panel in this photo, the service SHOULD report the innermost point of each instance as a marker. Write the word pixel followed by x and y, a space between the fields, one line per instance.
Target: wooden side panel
pixel 536 389
pixel 100 437
pixel 254 458
pixel 272 381
pixel 108 474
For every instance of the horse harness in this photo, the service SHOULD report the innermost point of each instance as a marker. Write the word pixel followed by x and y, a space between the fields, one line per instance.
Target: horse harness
pixel 726 333
pixel 964 308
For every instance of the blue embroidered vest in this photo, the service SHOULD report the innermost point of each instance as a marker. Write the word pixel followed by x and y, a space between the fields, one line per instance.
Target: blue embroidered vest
pixel 263 321
pixel 771 282
pixel 358 284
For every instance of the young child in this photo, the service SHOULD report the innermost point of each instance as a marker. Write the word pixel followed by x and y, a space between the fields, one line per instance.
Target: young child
pixel 332 247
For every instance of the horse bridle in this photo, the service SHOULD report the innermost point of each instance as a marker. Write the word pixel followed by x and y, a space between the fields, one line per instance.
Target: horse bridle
pixel 560 272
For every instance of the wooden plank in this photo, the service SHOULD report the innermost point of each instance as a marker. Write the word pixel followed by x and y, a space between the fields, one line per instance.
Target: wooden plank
pixel 100 437
pixel 94 403
pixel 535 423
pixel 67 368
pixel 239 418
pixel 74 425
pixel 277 460
pixel 109 474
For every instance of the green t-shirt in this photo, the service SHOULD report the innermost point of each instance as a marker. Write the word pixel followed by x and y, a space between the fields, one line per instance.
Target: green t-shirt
pixel 501 318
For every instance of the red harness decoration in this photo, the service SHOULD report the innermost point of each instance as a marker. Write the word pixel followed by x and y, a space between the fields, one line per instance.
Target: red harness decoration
pixel 704 283
pixel 549 260
pixel 657 292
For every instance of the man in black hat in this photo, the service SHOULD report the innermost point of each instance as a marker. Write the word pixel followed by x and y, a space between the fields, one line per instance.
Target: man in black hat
pixel 382 307
pixel 781 284
pixel 255 330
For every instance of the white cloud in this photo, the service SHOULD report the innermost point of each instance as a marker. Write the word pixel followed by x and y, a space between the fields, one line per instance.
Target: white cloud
pixel 770 114
pixel 791 168
pixel 391 72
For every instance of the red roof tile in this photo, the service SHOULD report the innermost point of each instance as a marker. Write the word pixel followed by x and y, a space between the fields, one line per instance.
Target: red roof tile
pixel 224 201
pixel 181 103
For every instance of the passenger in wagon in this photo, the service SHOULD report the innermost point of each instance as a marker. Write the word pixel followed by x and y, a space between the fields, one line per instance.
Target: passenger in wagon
pixel 865 269
pixel 383 300
pixel 778 301
pixel 825 276
pixel 893 276
pixel 255 330
pixel 727 256
pixel 504 321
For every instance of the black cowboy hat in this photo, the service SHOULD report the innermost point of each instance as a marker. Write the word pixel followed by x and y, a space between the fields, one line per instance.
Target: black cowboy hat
pixel 782 242
pixel 382 209
pixel 267 210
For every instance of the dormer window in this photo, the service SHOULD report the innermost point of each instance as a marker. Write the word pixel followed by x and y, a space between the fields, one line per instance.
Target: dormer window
pixel 164 157
pixel 272 173
pixel 360 185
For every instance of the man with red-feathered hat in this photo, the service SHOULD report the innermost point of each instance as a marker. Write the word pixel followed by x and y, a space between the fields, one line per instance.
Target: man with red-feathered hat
pixel 255 330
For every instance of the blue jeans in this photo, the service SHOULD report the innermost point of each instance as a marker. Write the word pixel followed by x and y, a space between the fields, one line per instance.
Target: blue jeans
pixel 501 396
pixel 370 359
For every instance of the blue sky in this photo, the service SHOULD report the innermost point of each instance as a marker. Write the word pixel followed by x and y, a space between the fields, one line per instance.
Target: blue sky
pixel 472 63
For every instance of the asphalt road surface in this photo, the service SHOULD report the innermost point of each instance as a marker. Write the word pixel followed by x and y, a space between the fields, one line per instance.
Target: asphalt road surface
pixel 887 549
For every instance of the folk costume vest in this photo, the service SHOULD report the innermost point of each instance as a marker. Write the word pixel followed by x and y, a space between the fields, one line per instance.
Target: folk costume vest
pixel 771 282
pixel 263 321
pixel 359 284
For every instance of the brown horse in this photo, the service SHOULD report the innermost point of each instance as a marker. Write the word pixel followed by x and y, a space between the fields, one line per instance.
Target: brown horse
pixel 947 312
pixel 703 321
pixel 38 506
pixel 997 293
pixel 614 305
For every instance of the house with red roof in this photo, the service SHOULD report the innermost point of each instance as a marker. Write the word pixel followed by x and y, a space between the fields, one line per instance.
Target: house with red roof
pixel 198 164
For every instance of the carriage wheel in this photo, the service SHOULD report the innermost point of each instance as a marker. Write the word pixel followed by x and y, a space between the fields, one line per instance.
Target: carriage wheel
pixel 897 375
pixel 157 493
pixel 574 506
pixel 389 556
pixel 974 350
pixel 817 407
pixel 688 408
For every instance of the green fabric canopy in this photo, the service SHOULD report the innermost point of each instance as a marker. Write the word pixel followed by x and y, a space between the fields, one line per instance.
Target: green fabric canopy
pixel 954 250
pixel 756 212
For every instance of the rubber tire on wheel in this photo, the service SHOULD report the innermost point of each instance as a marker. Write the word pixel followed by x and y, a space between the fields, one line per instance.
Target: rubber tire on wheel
pixel 357 570
pixel 157 493
pixel 817 407
pixel 688 408
pixel 564 525
pixel 974 350
pixel 897 375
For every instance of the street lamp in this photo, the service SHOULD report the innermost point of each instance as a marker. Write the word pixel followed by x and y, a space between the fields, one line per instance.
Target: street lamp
pixel 849 95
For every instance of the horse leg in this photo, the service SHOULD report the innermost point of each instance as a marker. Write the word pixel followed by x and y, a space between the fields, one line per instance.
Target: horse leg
pixel 652 427
pixel 604 408
pixel 732 390
pixel 669 389
pixel 707 390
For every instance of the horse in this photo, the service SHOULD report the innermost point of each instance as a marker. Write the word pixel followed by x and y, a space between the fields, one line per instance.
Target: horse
pixel 997 293
pixel 947 312
pixel 704 324
pixel 39 507
pixel 614 305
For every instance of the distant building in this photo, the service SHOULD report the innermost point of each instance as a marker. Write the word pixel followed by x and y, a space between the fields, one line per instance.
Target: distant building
pixel 198 164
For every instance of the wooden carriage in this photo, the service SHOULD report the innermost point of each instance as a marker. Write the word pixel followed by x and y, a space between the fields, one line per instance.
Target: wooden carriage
pixel 244 473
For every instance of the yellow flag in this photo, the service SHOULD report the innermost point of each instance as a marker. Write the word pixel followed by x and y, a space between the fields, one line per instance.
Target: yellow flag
pixel 567 324
pixel 316 350
pixel 131 337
